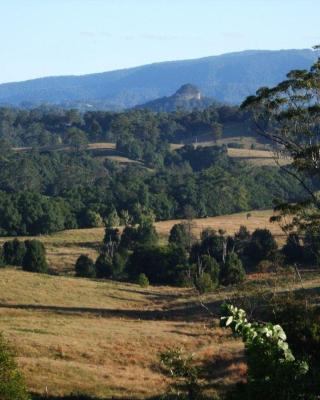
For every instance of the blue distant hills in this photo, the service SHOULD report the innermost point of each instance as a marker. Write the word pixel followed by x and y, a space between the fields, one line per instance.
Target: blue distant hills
pixel 227 78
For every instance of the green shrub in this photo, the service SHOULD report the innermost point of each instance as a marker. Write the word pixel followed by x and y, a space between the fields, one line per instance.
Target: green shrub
pixel 85 267
pixel 204 283
pixel 143 280
pixel 262 246
pixel 273 371
pixel 232 271
pixel 14 252
pixel 180 235
pixel 12 386
pixel 34 259
pixel 103 266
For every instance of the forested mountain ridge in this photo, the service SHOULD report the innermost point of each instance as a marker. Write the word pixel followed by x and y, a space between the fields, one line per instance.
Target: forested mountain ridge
pixel 227 78
pixel 188 97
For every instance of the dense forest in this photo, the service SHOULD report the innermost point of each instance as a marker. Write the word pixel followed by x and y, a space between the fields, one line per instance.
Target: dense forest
pixel 44 189
pixel 138 134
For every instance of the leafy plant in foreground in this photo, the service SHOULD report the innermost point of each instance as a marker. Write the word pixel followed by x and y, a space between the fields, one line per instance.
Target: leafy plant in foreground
pixel 273 371
pixel 12 386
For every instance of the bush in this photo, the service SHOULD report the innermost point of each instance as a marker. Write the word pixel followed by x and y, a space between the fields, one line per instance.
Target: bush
pixel 91 219
pixel 211 267
pixel 293 250
pixel 180 235
pixel 85 267
pixel 12 386
pixel 262 246
pixel 159 263
pixel 211 244
pixel 312 245
pixel 232 272
pixel 143 280
pixel 103 266
pixel 204 283
pixel 34 259
pixel 14 252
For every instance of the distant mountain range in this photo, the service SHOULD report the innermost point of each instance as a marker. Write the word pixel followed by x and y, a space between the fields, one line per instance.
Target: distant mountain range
pixel 188 97
pixel 228 78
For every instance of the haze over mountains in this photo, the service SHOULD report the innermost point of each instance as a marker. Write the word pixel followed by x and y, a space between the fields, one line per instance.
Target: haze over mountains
pixel 227 78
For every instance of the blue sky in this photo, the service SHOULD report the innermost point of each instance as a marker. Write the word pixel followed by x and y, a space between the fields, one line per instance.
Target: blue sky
pixel 58 37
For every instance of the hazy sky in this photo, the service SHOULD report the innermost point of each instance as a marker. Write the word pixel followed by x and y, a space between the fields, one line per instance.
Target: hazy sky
pixel 55 37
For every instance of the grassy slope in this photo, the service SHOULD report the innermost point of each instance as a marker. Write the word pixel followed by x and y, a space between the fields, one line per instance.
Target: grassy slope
pixel 63 248
pixel 103 338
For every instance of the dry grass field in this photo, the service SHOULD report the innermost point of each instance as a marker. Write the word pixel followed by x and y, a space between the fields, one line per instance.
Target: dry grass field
pixel 258 157
pixel 102 338
pixel 63 248
pixel 253 156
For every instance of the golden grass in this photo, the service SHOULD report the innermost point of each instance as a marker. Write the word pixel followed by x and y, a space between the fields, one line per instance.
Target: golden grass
pixel 63 248
pixel 103 338
pixel 230 223
pixel 68 340
pixel 102 145
pixel 258 157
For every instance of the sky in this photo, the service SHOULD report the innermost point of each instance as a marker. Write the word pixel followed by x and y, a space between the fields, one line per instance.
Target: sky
pixel 74 37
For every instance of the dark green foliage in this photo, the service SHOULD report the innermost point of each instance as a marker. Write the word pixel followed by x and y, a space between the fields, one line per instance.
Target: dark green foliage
pixel 210 266
pixel 232 272
pixel 159 264
pixel 203 157
pixel 204 283
pixel 273 371
pixel 103 266
pixel 2 260
pixel 128 237
pixel 211 244
pixel 293 249
pixel 85 267
pixel 119 262
pixel 44 191
pixel 143 280
pixel 34 259
pixel 90 219
pixel 111 235
pixel 301 322
pixel 242 239
pixel 180 235
pixel 262 246
pixel 144 234
pixel 312 244
pixel 12 386
pixel 181 368
pixel 14 252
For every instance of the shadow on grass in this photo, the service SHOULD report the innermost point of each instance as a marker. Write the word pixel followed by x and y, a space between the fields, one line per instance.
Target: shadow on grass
pixel 84 397
pixel 190 313
pixel 187 312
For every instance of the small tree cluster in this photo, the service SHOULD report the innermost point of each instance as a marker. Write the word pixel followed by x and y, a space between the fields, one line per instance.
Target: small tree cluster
pixel 30 254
